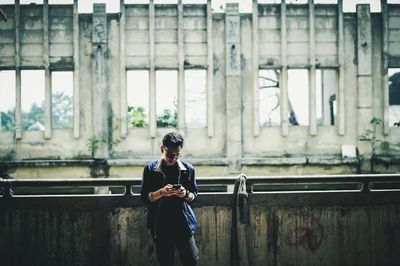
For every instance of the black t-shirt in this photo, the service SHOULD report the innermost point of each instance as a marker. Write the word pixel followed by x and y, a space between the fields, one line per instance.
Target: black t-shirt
pixel 171 220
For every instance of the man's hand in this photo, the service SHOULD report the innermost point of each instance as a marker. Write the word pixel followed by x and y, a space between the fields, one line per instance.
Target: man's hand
pixel 168 191
pixel 180 192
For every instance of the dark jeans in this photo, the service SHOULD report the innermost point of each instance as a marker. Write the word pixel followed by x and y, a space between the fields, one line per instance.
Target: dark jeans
pixel 187 249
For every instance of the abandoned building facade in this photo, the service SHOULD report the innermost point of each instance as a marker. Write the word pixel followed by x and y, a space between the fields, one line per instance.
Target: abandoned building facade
pixel 288 88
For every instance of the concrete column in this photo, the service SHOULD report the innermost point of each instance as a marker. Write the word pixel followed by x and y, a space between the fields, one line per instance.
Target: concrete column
pixel 100 92
pixel 364 71
pixel 76 71
pixel 385 66
pixel 152 73
pixel 210 72
pixel 122 73
pixel 284 73
pixel 340 95
pixel 47 74
pixel 17 18
pixel 181 72
pixel 312 115
pixel 256 102
pixel 233 87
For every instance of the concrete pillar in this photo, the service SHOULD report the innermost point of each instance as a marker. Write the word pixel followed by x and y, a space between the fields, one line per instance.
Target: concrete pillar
pixel 210 72
pixel 76 71
pixel 284 103
pixel 385 66
pixel 100 92
pixel 181 72
pixel 47 74
pixel 312 115
pixel 18 119
pixel 233 87
pixel 256 101
pixel 364 71
pixel 340 95
pixel 152 73
pixel 123 104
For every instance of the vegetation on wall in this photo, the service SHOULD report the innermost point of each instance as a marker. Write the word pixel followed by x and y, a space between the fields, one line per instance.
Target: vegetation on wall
pixel 167 119
pixel 136 116
pixel 33 120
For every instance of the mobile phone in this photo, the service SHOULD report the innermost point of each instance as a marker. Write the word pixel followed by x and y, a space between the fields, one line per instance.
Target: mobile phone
pixel 176 186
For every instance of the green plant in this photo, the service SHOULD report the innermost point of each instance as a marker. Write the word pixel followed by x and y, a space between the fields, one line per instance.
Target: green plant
pixel 167 119
pixel 93 145
pixel 8 120
pixel 136 116
pixel 370 135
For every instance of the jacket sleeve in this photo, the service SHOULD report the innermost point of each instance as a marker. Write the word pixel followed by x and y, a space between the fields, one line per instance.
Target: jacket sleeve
pixel 193 184
pixel 145 187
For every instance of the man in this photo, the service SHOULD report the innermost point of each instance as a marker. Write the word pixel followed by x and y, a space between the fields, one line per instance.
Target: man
pixel 168 186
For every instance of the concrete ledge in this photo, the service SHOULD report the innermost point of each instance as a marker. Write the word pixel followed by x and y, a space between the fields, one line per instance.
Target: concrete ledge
pixel 302 160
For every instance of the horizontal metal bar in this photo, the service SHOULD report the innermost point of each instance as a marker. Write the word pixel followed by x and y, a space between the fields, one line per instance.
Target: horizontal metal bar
pixel 206 180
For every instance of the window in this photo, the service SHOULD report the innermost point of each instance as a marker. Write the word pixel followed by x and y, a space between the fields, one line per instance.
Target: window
pixel 166 97
pixel 195 98
pixel 298 97
pixel 138 98
pixel 7 100
pixel 62 84
pixel 394 97
pixel 326 82
pixel 269 97
pixel 32 99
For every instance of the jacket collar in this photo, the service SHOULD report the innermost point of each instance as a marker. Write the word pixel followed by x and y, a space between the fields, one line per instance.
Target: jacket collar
pixel 157 167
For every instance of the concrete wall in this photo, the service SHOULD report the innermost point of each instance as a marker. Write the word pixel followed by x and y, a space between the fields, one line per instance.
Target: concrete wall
pixel 283 229
pixel 99 48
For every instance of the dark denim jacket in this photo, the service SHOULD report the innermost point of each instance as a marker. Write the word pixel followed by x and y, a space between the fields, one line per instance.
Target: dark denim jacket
pixel 153 179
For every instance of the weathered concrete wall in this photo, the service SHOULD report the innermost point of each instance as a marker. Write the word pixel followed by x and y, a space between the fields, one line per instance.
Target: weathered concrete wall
pixel 283 229
pixel 157 40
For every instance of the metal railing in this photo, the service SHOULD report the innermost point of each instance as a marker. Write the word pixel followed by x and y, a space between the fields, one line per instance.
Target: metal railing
pixel 362 183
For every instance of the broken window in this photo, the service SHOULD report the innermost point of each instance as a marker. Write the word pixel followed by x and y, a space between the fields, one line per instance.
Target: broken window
pixel 269 98
pixel 326 85
pixel 166 97
pixel 32 100
pixel 7 100
pixel 29 2
pixel 137 84
pixel 394 97
pixel 62 86
pixel 298 97
pixel 195 98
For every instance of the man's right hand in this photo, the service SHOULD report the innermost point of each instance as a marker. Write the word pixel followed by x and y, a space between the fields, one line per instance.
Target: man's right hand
pixel 168 191
pixel 165 191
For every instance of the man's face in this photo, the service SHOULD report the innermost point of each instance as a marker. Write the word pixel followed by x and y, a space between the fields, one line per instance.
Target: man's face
pixel 171 154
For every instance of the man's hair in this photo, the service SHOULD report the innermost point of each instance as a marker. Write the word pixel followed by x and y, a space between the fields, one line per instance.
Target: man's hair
pixel 173 139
